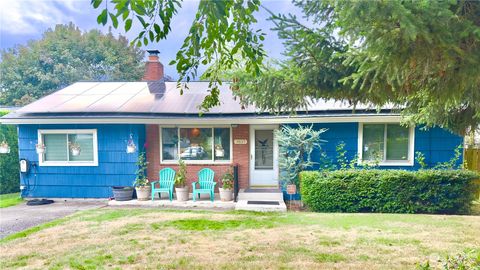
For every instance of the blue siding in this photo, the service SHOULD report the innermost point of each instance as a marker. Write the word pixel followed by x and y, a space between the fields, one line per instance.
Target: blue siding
pixel 115 166
pixel 436 144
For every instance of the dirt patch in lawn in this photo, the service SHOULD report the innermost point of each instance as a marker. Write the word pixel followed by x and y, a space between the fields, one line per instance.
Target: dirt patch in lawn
pixel 139 238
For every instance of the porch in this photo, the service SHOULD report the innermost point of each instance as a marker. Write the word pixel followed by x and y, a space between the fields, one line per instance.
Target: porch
pixel 248 200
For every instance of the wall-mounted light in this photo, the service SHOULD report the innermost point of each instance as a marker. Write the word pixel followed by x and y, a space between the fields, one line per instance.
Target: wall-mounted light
pixel 234 125
pixel 131 147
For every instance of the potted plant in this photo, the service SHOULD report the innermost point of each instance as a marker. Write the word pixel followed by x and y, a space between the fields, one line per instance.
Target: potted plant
pixel 226 191
pixel 181 190
pixel 4 147
pixel 142 185
pixel 122 193
pixel 75 149
pixel 40 148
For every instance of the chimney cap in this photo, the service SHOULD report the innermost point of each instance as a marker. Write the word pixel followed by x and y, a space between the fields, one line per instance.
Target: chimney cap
pixel 153 52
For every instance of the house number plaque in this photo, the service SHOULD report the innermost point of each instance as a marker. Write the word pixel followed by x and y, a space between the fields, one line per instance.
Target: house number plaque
pixel 240 141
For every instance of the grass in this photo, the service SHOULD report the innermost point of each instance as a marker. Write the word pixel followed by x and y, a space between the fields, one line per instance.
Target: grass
pixel 150 238
pixel 11 199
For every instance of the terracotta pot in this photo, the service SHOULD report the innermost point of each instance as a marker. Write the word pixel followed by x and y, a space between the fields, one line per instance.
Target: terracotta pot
pixel 226 195
pixel 181 194
pixel 144 193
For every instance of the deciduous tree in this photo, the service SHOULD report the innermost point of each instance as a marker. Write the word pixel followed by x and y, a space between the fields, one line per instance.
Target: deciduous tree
pixel 65 55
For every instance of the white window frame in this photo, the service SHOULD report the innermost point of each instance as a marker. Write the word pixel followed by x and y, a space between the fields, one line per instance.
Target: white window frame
pixel 411 147
pixel 41 160
pixel 212 161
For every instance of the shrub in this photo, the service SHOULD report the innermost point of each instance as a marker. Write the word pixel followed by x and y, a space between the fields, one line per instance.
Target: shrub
pixel 389 191
pixel 9 176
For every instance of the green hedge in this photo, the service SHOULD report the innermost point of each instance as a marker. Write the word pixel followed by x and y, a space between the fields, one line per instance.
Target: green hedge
pixel 9 175
pixel 389 191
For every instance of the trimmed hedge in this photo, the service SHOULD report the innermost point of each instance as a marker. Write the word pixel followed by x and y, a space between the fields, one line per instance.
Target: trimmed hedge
pixel 389 191
pixel 9 175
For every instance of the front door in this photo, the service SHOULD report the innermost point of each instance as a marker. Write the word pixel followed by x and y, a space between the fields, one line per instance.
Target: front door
pixel 263 156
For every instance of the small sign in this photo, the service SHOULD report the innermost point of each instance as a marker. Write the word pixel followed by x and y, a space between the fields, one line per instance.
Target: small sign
pixel 291 189
pixel 240 141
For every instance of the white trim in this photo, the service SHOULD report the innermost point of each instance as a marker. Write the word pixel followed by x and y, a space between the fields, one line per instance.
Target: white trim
pixel 41 162
pixel 411 148
pixel 206 162
pixel 208 121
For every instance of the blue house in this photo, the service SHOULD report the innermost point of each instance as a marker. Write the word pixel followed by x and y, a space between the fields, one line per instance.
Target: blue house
pixel 81 140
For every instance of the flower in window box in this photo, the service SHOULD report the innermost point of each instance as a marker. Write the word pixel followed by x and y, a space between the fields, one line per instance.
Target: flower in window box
pixel 75 149
pixel 40 148
pixel 4 147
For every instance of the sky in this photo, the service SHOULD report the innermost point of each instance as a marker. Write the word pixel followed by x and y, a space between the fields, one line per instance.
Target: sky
pixel 23 20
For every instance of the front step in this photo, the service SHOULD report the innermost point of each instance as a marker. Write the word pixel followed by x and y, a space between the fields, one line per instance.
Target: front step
pixel 261 195
pixel 261 200
pixel 258 207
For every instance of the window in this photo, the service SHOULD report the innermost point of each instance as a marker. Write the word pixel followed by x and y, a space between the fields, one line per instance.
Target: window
pixel 389 144
pixel 68 147
pixel 195 144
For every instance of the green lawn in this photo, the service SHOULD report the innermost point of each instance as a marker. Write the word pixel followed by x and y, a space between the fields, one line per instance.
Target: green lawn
pixel 159 239
pixel 11 199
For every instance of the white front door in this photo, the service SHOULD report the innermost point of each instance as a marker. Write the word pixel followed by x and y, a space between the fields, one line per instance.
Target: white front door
pixel 263 156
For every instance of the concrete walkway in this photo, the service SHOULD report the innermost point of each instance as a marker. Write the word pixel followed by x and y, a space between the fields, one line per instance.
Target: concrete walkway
pixel 20 217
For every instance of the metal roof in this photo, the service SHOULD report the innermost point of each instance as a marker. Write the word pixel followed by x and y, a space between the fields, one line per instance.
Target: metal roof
pixel 133 97
pixel 156 97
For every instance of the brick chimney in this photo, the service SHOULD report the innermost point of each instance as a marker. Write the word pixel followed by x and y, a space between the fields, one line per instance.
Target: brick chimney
pixel 153 67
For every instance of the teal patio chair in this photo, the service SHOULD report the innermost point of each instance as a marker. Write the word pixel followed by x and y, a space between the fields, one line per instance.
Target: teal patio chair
pixel 165 183
pixel 205 183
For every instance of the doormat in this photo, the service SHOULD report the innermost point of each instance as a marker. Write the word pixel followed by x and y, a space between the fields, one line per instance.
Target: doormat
pixel 264 202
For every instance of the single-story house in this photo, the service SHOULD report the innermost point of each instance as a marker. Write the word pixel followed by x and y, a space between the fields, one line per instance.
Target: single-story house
pixel 99 120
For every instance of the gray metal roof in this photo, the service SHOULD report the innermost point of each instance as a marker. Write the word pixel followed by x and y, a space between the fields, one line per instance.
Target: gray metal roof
pixel 148 97
pixel 133 97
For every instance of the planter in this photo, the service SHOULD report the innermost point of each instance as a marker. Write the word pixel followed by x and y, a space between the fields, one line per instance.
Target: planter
pixel 40 149
pixel 144 193
pixel 122 193
pixel 75 152
pixel 4 149
pixel 131 148
pixel 181 194
pixel 226 195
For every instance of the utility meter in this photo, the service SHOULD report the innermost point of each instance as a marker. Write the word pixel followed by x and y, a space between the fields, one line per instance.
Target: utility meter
pixel 24 167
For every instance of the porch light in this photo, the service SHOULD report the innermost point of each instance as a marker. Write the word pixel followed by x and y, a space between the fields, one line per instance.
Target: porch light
pixel 131 147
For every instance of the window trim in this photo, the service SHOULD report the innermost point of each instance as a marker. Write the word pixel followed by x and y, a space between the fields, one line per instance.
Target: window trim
pixel 41 162
pixel 411 147
pixel 208 162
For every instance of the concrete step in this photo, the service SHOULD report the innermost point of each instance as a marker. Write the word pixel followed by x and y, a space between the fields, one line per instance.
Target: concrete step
pixel 258 207
pixel 261 195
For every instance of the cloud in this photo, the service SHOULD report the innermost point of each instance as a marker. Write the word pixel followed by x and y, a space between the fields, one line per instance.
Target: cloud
pixel 33 16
